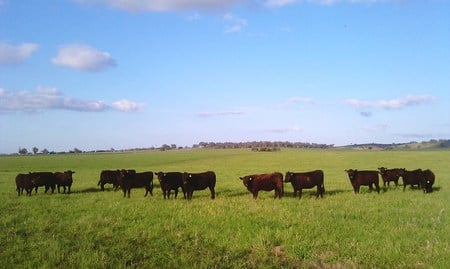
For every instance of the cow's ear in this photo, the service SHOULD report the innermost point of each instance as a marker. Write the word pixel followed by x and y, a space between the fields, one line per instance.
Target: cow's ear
pixel 241 178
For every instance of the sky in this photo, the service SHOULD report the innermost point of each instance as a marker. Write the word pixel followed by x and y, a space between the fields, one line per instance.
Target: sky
pixel 102 74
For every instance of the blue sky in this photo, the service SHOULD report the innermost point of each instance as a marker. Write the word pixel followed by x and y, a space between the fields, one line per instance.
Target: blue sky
pixel 101 74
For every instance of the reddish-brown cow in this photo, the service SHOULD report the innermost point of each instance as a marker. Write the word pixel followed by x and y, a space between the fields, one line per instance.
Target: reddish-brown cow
pixel 366 178
pixel 130 179
pixel 64 180
pixel 25 182
pixel 264 182
pixel 412 178
pixel 306 180
pixel 171 181
pixel 389 175
pixel 109 177
pixel 427 180
pixel 46 179
pixel 199 181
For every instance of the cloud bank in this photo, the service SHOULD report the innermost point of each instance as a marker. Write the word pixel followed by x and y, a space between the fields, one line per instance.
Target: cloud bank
pixel 15 54
pixel 409 100
pixel 219 113
pixel 52 99
pixel 83 57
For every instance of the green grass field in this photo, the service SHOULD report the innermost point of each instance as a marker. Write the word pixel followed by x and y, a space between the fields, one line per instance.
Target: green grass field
pixel 93 229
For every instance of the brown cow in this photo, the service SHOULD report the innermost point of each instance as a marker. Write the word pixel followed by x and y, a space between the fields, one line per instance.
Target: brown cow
pixel 367 178
pixel 109 177
pixel 46 179
pixel 25 182
pixel 199 181
pixel 130 179
pixel 306 180
pixel 265 182
pixel 412 178
pixel 64 180
pixel 427 180
pixel 389 175
pixel 171 181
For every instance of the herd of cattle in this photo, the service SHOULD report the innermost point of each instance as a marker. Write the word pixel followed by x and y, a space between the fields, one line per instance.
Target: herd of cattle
pixel 188 182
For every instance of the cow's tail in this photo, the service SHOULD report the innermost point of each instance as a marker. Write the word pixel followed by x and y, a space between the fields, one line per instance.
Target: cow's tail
pixel 100 181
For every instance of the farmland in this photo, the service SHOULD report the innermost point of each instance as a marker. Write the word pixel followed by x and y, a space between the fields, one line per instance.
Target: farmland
pixel 94 229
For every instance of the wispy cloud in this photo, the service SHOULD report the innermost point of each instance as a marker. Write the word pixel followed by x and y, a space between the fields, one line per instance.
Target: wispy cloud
pixel 166 5
pixel 281 3
pixel 284 130
pixel 399 103
pixel 234 24
pixel 219 113
pixel 295 100
pixel 52 99
pixel 83 57
pixel 15 54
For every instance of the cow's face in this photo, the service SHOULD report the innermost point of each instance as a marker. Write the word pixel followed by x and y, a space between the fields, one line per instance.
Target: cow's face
pixel 186 178
pixel 247 181
pixel 289 176
pixel 351 174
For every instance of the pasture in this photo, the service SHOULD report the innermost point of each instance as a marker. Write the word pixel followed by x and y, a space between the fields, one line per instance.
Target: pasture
pixel 93 229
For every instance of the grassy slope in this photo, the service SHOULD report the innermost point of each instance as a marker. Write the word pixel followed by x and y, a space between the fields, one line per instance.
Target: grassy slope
pixel 101 229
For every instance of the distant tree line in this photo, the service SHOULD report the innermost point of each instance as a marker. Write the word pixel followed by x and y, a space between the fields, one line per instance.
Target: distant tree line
pixel 260 145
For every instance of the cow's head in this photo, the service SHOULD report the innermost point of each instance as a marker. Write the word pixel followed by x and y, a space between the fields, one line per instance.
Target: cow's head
pixel 289 176
pixel 382 170
pixel 160 176
pixel 351 174
pixel 186 178
pixel 247 181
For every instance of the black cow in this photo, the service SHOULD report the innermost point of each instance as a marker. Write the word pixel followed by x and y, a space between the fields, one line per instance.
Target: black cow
pixel 366 178
pixel 306 180
pixel 130 179
pixel 264 182
pixel 427 180
pixel 25 182
pixel 414 177
pixel 64 180
pixel 109 177
pixel 171 181
pixel 46 179
pixel 199 181
pixel 389 175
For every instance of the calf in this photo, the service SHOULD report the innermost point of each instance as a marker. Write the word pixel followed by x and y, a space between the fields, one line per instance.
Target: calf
pixel 25 182
pixel 109 177
pixel 389 175
pixel 367 178
pixel 427 181
pixel 130 179
pixel 306 180
pixel 265 182
pixel 199 181
pixel 64 180
pixel 46 179
pixel 171 181
pixel 412 178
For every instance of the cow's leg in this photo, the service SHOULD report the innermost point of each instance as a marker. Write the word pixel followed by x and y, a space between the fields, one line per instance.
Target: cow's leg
pixel 213 193
pixel 146 192
pixel 176 193
pixel 377 187
pixel 129 191
pixel 300 193
pixel 255 194
pixel 18 190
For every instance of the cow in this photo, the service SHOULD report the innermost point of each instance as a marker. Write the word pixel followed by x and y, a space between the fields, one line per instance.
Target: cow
pixel 64 180
pixel 109 177
pixel 199 181
pixel 366 178
pixel 389 175
pixel 414 177
pixel 46 179
pixel 427 180
pixel 25 182
pixel 265 182
pixel 306 180
pixel 171 181
pixel 130 179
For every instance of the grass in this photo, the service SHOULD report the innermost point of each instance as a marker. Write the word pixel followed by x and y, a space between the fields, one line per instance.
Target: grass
pixel 93 229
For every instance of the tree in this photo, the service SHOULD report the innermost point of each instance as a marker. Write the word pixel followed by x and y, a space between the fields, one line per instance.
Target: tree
pixel 45 151
pixel 35 150
pixel 23 151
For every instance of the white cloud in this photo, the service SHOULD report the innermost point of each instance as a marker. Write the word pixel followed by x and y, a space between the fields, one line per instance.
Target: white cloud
pixel 284 130
pixel 281 3
pixel 11 54
pixel 53 99
pixel 165 5
pixel 409 100
pixel 127 105
pixel 84 58
pixel 295 100
pixel 234 24
pixel 219 113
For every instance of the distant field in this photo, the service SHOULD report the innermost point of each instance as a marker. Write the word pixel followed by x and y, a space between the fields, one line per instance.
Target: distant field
pixel 94 229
